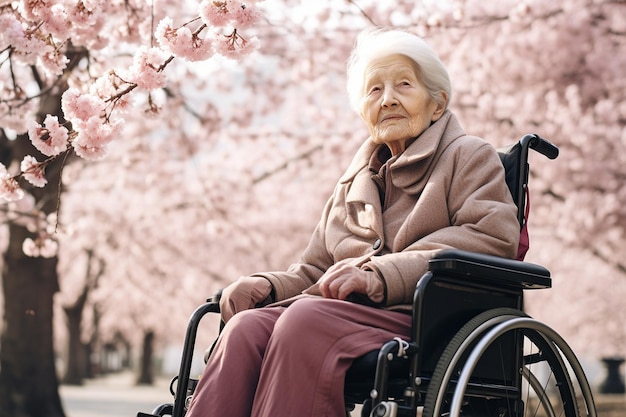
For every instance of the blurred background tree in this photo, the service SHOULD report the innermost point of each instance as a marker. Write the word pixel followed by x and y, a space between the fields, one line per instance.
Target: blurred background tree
pixel 223 165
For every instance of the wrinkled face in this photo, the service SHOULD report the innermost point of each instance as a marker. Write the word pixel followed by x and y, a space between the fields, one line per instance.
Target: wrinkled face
pixel 396 106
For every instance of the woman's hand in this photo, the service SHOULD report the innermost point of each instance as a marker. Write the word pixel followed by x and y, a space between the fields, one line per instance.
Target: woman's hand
pixel 341 280
pixel 243 294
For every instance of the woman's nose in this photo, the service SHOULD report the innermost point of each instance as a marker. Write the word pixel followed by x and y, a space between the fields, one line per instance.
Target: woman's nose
pixel 389 98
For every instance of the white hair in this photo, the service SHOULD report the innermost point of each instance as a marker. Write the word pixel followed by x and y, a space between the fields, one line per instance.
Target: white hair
pixel 377 43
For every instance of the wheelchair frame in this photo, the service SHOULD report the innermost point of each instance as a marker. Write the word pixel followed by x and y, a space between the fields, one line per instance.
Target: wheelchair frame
pixel 449 362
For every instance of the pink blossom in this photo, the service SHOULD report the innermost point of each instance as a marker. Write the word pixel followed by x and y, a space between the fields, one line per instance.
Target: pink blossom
pixel 43 246
pixel 234 46
pixel 20 119
pixel 93 131
pixel 217 13
pixel 183 43
pixel 83 15
pixel 55 21
pixel 26 46
pixel 96 132
pixel 93 136
pixel 51 139
pixel 81 106
pixel 12 33
pixel 109 85
pixel 29 9
pixel 53 62
pixel 85 147
pixel 92 34
pixel 90 153
pixel 147 70
pixel 32 50
pixel 165 31
pixel 33 171
pixel 20 211
pixel 435 20
pixel 9 188
pixel 246 16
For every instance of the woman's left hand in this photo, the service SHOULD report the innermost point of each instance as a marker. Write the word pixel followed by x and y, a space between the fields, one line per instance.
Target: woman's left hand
pixel 341 280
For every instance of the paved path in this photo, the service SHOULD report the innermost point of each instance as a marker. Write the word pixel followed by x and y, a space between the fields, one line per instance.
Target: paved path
pixel 117 396
pixel 113 396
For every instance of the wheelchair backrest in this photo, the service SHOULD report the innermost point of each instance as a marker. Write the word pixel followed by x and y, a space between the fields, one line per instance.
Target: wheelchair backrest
pixel 515 161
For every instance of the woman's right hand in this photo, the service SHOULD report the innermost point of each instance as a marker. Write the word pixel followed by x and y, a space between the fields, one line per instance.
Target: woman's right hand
pixel 243 294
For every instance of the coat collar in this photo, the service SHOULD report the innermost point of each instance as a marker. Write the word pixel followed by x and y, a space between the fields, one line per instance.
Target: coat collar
pixel 410 167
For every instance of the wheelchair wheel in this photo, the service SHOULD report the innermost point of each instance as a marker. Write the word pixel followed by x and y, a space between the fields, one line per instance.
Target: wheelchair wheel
pixel 503 363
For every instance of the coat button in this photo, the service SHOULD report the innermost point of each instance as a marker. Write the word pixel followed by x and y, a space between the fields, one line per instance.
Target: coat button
pixel 376 244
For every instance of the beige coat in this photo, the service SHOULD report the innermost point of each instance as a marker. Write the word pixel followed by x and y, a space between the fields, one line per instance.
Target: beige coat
pixel 446 190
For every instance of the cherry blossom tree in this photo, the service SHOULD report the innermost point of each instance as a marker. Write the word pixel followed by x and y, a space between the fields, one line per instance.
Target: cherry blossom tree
pixel 185 164
pixel 68 71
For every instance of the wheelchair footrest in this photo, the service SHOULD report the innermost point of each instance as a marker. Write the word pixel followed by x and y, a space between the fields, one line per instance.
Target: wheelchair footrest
pixel 140 414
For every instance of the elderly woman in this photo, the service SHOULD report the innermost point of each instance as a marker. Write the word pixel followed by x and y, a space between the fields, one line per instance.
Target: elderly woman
pixel 418 185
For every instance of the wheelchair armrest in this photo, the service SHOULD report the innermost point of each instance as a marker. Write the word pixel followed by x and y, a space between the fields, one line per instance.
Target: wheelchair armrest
pixel 490 269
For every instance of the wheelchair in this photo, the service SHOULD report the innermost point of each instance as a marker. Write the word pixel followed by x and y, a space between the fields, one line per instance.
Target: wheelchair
pixel 473 351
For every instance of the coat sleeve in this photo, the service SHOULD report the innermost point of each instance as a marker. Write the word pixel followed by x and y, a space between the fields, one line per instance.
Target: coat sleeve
pixel 314 262
pixel 481 214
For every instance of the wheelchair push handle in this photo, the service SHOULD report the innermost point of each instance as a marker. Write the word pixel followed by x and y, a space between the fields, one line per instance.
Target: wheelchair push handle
pixel 541 145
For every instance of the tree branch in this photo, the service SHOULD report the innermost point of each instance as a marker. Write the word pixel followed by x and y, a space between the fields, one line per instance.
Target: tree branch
pixel 362 12
pixel 285 164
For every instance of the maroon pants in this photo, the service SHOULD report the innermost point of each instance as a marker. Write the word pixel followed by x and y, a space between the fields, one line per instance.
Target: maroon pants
pixel 291 362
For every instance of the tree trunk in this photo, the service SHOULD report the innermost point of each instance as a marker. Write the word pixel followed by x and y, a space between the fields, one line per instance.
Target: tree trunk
pixel 91 371
pixel 126 355
pixel 79 353
pixel 28 380
pixel 77 356
pixel 146 367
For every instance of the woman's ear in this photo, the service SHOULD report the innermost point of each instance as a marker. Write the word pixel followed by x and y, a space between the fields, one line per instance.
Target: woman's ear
pixel 441 106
